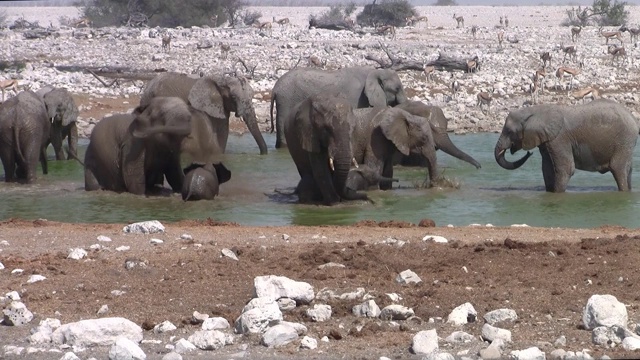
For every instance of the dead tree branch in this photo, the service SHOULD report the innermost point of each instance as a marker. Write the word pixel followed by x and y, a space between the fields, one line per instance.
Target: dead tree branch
pixel 395 63
pixel 449 63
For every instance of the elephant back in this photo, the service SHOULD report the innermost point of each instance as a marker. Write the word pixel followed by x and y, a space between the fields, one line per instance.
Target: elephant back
pixel 168 85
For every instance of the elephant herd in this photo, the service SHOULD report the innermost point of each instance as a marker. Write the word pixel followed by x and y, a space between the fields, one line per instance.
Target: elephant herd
pixel 344 129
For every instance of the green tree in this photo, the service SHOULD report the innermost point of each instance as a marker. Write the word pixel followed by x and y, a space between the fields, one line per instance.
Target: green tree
pixel 602 12
pixel 387 12
pixel 445 3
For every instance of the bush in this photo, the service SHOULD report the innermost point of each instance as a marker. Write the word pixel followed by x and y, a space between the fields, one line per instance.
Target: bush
pixel 445 3
pixel 388 12
pixel 602 12
pixel 251 17
pixel 335 14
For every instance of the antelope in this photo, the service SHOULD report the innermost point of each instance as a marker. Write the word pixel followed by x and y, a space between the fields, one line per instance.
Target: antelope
pixel 610 34
pixel 484 98
pixel 575 33
pixel 459 20
pixel 455 87
pixel 563 72
pixel 500 38
pixel 591 92
pixel 84 22
pixel 315 61
pixel 474 30
pixel 546 58
pixel 10 84
pixel 472 66
pixel 281 22
pixel 570 50
pixel 506 21
pixel 266 26
pixel 539 76
pixel 166 42
pixel 214 20
pixel 632 31
pixel 617 52
pixel 501 21
pixel 534 90
pixel 428 72
pixel 412 20
pixel 224 50
pixel 387 29
pixel 350 22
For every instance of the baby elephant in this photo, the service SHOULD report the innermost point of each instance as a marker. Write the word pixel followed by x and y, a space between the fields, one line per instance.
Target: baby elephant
pixel 202 181
pixel 364 178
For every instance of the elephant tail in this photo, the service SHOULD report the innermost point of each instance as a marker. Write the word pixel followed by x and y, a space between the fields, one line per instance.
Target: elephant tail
pixel 273 99
pixel 74 156
pixel 16 141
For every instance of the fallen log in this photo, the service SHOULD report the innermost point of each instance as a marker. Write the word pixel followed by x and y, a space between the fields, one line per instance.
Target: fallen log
pixel 449 63
pixel 330 25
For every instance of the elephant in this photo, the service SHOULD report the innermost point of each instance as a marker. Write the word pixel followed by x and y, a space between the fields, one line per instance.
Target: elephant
pixel 202 181
pixel 24 130
pixel 364 178
pixel 599 136
pixel 215 95
pixel 135 152
pixel 63 114
pixel 381 134
pixel 442 141
pixel 361 86
pixel 318 134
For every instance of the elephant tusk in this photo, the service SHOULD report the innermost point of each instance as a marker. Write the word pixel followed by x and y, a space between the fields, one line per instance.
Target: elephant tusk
pixel 501 152
pixel 354 162
pixel 331 164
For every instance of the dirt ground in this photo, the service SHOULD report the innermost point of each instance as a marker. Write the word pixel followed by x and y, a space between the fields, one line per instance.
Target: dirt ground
pixel 545 274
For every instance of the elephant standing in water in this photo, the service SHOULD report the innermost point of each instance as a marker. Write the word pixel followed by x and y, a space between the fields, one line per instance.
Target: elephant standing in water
pixel 202 181
pixel 24 130
pixel 135 152
pixel 599 136
pixel 63 114
pixel 438 123
pixel 318 133
pixel 217 96
pixel 361 87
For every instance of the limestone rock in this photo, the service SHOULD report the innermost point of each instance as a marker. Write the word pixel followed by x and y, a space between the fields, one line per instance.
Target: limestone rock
pixel 319 312
pixel 425 342
pixel 17 314
pixel 184 346
pixel 257 315
pixel 491 333
pixel 208 339
pixel 308 343
pixel 163 327
pixel 408 277
pixel 125 349
pixel 368 308
pixel 532 353
pixel 459 337
pixel 396 312
pixel 215 323
pixel 279 335
pixel 286 304
pixel 145 227
pixel 276 287
pixel 97 332
pixel 607 336
pixel 604 310
pixel 497 316
pixel 463 314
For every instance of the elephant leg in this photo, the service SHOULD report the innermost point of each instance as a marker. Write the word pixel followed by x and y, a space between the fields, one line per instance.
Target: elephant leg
pixel 90 180
pixel 72 140
pixel 323 178
pixel 307 190
pixel 387 171
pixel 43 160
pixel 621 167
pixel 56 140
pixel 9 165
pixel 175 176
pixel 556 170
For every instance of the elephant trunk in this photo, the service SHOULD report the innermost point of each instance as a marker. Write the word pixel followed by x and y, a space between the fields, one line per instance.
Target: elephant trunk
pixel 342 165
pixel 249 118
pixel 501 147
pixel 444 143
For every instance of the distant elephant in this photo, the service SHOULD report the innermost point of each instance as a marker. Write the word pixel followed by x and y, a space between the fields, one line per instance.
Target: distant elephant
pixel 380 134
pixel 318 133
pixel 134 152
pixel 202 182
pixel 599 136
pixel 364 178
pixel 63 114
pixel 361 86
pixel 215 95
pixel 24 130
pixel 438 123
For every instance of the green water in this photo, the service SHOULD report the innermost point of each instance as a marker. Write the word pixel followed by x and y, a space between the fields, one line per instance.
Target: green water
pixel 258 195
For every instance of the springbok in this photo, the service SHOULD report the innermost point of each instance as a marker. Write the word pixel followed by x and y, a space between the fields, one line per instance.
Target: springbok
pixel 484 98
pixel 224 50
pixel 472 66
pixel 265 26
pixel 387 29
pixel 571 51
pixel 413 20
pixel 565 72
pixel 539 77
pixel 590 92
pixel 546 59
pixel 455 87
pixel 617 53
pixel 506 21
pixel 534 90
pixel 166 42
pixel 428 72
pixel 10 84
pixel 575 33
pixel 459 20
pixel 500 38
pixel 610 35
pixel 281 22
pixel 474 31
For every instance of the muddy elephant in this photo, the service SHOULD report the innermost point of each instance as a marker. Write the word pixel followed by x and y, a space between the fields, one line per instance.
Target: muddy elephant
pixel 599 136
pixel 361 87
pixel 438 123
pixel 202 181
pixel 318 134
pixel 215 95
pixel 24 130
pixel 63 114
pixel 135 152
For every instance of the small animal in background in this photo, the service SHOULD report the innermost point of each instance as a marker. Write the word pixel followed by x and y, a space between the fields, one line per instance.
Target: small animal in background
pixel 506 21
pixel 585 93
pixel 575 33
pixel 500 38
pixel 224 50
pixel 10 84
pixel 455 87
pixel 484 98
pixel 428 72
pixel 474 31
pixel 501 21
pixel 546 59
pixel 459 20
pixel 166 42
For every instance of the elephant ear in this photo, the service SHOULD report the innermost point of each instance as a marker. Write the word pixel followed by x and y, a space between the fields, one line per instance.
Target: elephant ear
pixel 60 102
pixel 373 89
pixel 304 127
pixel 222 172
pixel 205 96
pixel 541 127
pixel 132 158
pixel 395 127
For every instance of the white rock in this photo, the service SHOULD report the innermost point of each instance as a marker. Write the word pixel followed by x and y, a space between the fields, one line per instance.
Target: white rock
pixel 125 349
pixel 229 253
pixel 491 333
pixel 308 343
pixel 103 309
pixel 42 333
pixel 35 278
pixel 17 271
pixel 441 356
pixel 13 295
pixel 463 314
pixel 208 339
pixel 276 287
pixel 604 310
pixel 408 277
pixel 10 350
pixel 257 315
pixel 459 337
pixel 184 346
pixel 145 227
pixel 172 356
pixel 123 248
pixel 285 237
pixel 435 238
pixel 69 356
pixel 104 238
pixel 631 343
pixel 286 304
pixel 215 323
pixel 300 328
pixel 157 242
pixel 368 308
pixel 532 353
pixel 279 335
pixel 396 312
pixel 606 336
pixel 77 254
pixel 500 315
pixel 331 265
pixel 1 266
pixel 425 342
pixel 558 354
pixel 198 317
pixel 164 327
pixel 17 314
pixel 186 237
pixel 319 312
pixel 97 332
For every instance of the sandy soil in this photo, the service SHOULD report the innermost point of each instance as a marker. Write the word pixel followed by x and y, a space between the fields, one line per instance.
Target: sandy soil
pixel 546 275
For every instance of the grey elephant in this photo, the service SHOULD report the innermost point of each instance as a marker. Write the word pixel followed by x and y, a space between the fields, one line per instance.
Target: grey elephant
pixel 202 181
pixel 135 152
pixel 599 136
pixel 360 86
pixel 438 123
pixel 24 130
pixel 63 114
pixel 365 178
pixel 318 134
pixel 381 134
pixel 215 95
